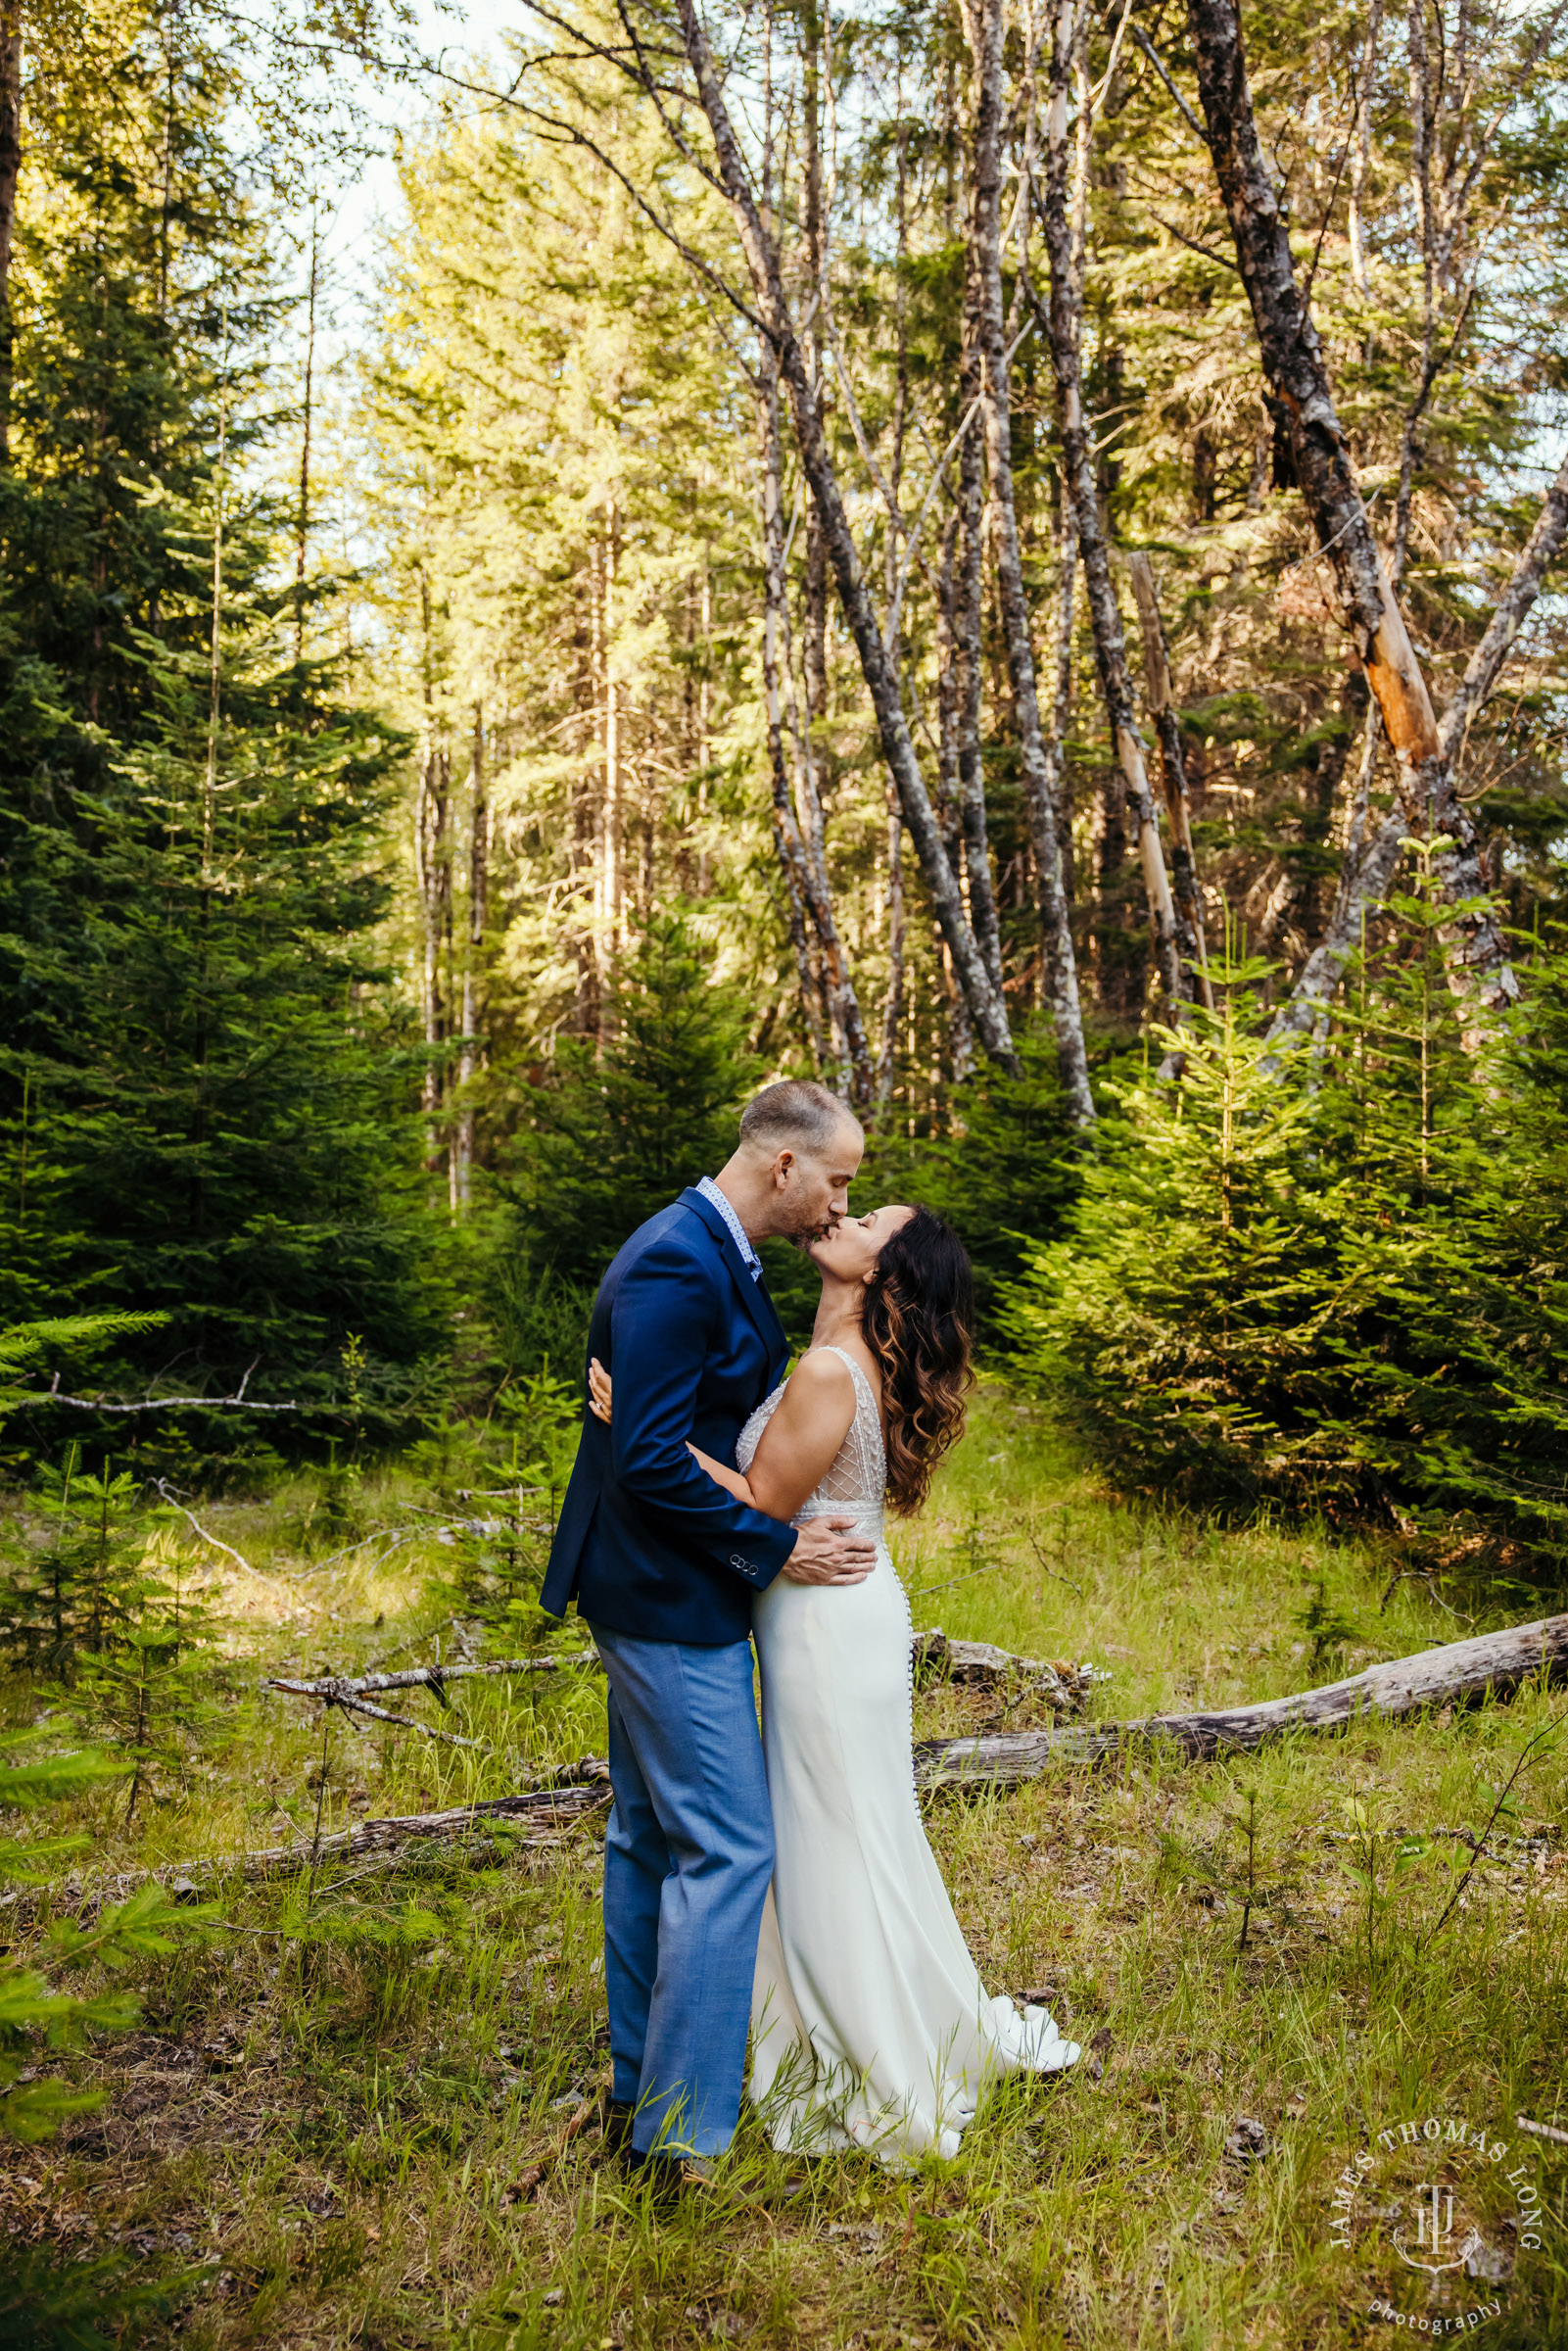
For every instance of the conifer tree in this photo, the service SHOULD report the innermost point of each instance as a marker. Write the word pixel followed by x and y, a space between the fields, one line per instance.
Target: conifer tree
pixel 605 1142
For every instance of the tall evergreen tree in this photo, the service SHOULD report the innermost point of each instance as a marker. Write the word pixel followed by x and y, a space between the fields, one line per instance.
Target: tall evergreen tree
pixel 198 1063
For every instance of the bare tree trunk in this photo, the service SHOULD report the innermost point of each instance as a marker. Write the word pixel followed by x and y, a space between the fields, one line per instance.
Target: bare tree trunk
pixel 800 836
pixel 985 22
pixel 1363 889
pixel 434 865
pixel 1422 130
pixel 473 978
pixel 302 521
pixel 968 676
pixel 10 174
pixel 1062 706
pixel 949 795
pixel 893 1003
pixel 1370 863
pixel 785 829
pixel 1162 704
pixel 1063 327
pixel 761 253
pixel 613 853
pixel 1364 152
pixel 1476 950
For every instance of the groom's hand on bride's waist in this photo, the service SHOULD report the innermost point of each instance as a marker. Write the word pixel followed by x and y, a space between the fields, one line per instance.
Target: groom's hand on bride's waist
pixel 829 1551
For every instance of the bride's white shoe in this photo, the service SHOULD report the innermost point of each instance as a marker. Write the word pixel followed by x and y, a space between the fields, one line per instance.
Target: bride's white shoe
pixel 1031 2032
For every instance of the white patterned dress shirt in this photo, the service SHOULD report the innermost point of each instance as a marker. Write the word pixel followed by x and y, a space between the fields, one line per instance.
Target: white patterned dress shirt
pixel 710 1191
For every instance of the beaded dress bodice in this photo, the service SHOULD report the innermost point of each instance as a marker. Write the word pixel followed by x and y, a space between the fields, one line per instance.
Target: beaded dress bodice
pixel 856 1478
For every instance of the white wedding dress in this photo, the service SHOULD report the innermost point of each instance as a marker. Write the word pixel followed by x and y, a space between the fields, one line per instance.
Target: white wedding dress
pixel 871 2026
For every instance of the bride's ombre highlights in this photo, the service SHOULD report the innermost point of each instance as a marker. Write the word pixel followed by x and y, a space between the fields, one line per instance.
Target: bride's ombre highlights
pixel 919 1321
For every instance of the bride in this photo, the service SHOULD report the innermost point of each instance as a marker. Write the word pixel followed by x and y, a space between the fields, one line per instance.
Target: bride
pixel 871 2026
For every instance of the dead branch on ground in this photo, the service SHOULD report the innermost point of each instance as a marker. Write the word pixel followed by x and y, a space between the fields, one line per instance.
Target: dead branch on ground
pixel 1494 1665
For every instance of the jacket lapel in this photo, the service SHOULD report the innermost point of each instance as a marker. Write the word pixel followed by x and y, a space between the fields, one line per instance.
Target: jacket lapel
pixel 753 1294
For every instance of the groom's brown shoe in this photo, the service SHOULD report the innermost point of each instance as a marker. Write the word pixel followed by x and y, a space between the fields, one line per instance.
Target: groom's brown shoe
pixel 615 2131
pixel 676 2179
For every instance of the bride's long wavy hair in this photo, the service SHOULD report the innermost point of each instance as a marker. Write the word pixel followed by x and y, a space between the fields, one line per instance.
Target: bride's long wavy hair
pixel 918 1323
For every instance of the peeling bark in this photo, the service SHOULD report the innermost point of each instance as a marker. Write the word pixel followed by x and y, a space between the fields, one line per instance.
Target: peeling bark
pixel 1476 950
pixel 1370 864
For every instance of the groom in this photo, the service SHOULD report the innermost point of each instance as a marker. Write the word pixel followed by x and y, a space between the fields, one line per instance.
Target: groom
pixel 663 1564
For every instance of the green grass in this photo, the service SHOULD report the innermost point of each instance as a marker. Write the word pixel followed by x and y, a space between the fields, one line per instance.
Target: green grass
pixel 330 2102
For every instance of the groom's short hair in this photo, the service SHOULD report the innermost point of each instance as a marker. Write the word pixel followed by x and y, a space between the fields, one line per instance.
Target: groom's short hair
pixel 795 1111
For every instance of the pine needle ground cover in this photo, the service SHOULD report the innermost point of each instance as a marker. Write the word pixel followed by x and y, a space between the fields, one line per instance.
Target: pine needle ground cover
pixel 346 2115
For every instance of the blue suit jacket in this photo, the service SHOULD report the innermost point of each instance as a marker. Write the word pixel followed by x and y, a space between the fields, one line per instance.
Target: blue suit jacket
pixel 647 1544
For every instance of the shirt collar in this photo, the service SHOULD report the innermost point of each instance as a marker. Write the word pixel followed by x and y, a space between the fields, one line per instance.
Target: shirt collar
pixel 711 1192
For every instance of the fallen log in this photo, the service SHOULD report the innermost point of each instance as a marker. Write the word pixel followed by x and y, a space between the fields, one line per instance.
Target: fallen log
pixel 336 1687
pixel 348 1691
pixel 976 1662
pixel 1492 1665
pixel 980 1665
pixel 539 1812
pixel 533 1816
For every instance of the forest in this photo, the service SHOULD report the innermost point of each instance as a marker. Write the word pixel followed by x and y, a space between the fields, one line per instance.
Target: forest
pixel 999 554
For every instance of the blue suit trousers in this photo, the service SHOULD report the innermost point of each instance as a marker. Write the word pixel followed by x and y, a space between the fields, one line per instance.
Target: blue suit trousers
pixel 687 1861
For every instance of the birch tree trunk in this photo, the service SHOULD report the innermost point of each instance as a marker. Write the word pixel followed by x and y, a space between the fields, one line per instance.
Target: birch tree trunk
pixel 1162 709
pixel 969 674
pixel 1476 951
pixel 986 20
pixel 986 1004
pixel 1062 325
pixel 1062 704
pixel 800 835
pixel 1363 886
